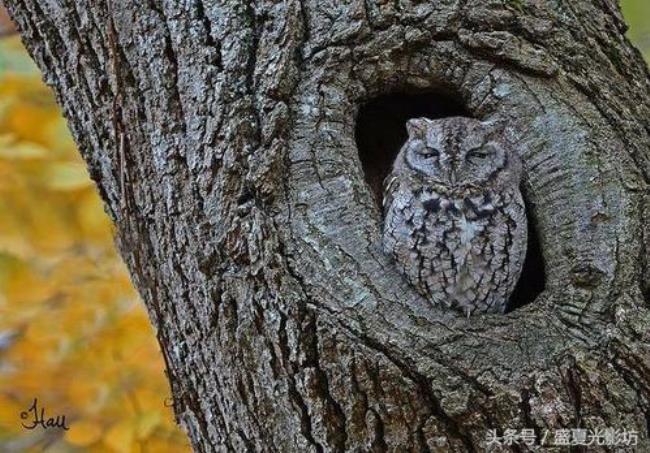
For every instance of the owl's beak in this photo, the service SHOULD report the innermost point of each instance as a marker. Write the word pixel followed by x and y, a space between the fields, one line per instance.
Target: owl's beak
pixel 452 177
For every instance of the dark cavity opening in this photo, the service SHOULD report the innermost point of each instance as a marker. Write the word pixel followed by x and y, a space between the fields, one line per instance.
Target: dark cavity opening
pixel 532 280
pixel 381 129
pixel 380 133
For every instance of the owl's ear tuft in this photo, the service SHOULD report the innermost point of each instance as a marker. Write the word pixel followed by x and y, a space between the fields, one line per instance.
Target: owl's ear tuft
pixel 416 127
pixel 496 124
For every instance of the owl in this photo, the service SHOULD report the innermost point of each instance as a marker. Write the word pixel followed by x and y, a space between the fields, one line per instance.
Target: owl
pixel 454 217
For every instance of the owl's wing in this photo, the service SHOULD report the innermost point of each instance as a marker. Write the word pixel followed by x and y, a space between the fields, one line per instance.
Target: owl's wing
pixel 517 253
pixel 390 185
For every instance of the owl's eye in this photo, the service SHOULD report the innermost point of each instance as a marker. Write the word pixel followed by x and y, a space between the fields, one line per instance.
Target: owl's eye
pixel 429 153
pixel 478 154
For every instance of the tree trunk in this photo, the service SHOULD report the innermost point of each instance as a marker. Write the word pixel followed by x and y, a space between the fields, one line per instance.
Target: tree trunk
pixel 221 136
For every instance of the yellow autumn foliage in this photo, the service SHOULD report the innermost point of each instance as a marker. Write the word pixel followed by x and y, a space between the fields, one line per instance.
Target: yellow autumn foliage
pixel 73 333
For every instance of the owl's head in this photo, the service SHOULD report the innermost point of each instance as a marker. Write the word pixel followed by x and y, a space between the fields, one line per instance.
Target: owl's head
pixel 458 152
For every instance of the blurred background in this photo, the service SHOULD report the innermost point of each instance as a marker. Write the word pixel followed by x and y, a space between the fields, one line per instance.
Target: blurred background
pixel 73 333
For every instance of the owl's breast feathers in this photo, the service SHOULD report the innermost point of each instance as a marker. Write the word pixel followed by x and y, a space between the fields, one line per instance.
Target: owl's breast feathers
pixel 462 249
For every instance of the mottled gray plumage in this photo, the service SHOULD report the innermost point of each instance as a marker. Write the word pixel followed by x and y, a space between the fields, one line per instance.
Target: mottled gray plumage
pixel 454 218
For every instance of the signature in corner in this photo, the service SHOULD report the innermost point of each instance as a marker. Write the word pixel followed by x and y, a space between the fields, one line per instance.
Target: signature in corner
pixel 38 418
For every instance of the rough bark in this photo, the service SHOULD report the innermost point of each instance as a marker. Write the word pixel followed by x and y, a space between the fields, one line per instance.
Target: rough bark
pixel 221 137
